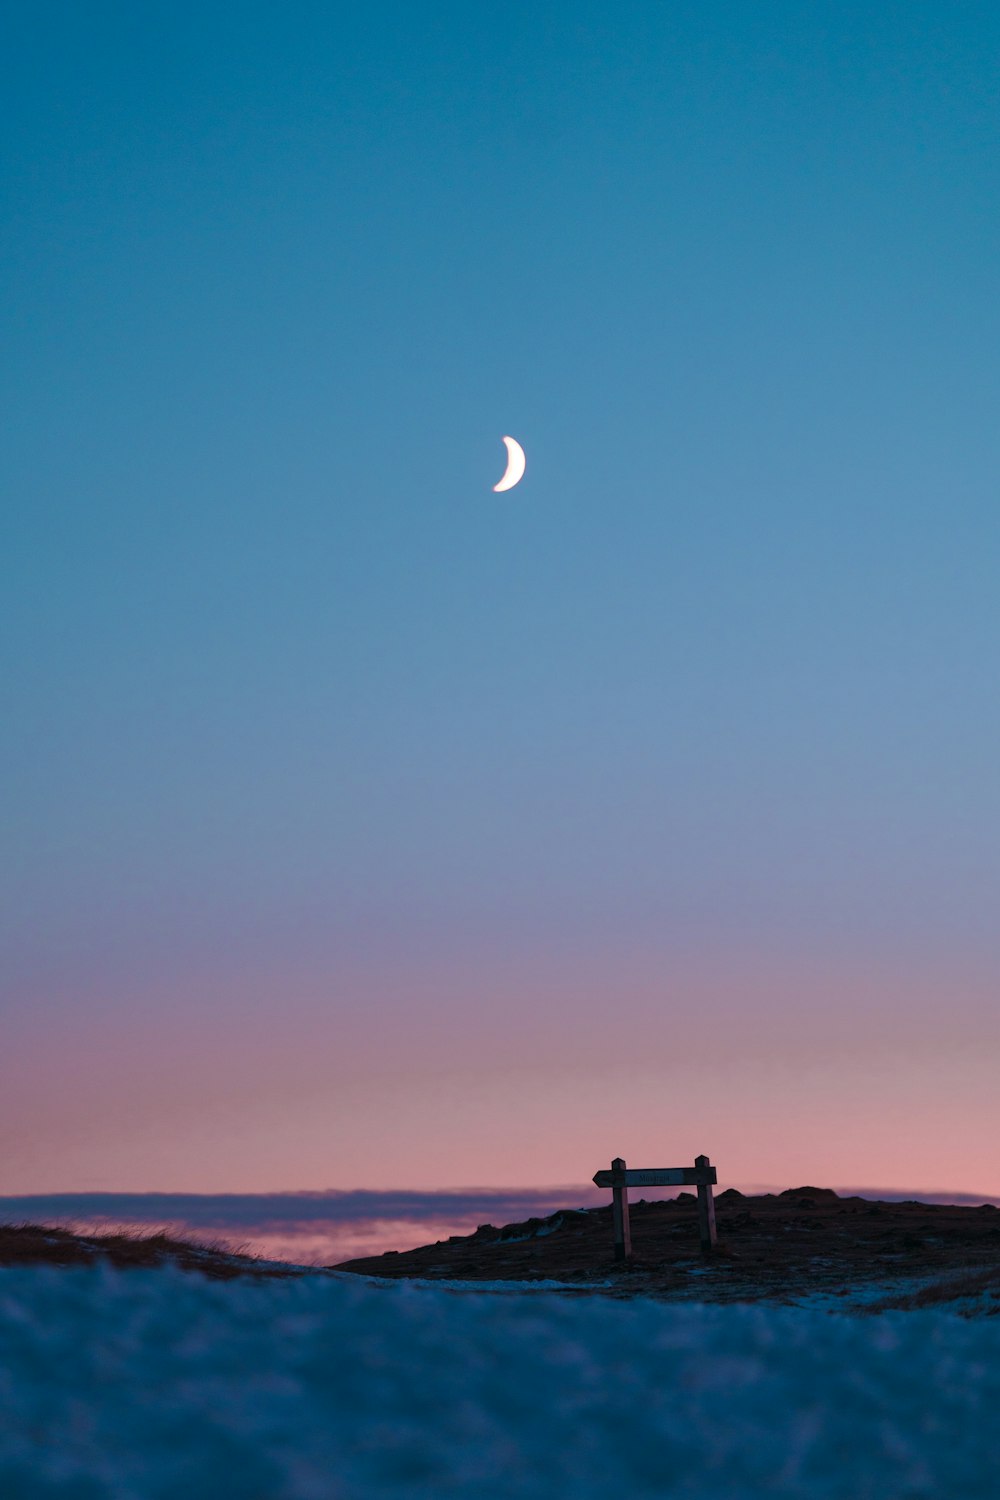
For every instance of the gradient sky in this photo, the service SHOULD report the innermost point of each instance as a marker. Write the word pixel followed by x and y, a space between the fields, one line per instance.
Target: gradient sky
pixel 364 828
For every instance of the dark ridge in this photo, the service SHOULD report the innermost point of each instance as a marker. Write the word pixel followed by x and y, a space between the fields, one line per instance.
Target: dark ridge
pixel 770 1247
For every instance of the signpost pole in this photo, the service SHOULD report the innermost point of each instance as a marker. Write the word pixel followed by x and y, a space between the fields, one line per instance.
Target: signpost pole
pixel 706 1209
pixel 623 1232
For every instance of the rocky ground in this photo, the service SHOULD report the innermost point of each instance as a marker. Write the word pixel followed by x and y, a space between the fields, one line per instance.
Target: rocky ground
pixel 775 1246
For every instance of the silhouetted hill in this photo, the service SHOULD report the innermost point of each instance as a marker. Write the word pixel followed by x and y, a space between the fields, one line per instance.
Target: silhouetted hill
pixel 784 1245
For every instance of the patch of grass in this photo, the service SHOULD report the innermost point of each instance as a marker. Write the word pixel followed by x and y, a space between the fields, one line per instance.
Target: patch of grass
pixel 127 1249
pixel 982 1286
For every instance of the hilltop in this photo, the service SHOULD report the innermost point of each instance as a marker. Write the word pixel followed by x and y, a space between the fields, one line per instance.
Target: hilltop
pixel 806 1240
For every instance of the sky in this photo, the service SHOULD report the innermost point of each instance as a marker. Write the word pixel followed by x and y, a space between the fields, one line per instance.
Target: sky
pixel 364 828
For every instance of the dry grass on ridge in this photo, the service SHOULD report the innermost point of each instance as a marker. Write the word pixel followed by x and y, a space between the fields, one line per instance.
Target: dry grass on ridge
pixel 127 1249
pixel 972 1285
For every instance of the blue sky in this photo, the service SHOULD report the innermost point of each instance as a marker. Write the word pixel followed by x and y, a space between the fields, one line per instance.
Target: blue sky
pixel 289 691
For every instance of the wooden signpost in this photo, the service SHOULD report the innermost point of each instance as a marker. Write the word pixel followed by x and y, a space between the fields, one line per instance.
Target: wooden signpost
pixel 620 1179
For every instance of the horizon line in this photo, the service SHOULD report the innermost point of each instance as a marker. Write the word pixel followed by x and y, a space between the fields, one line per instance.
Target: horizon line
pixel 352 1204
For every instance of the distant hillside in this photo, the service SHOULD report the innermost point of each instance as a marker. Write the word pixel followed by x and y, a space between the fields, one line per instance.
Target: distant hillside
pixel 785 1246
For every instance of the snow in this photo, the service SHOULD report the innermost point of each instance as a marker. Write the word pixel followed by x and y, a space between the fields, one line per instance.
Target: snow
pixel 505 1287
pixel 540 1231
pixel 148 1385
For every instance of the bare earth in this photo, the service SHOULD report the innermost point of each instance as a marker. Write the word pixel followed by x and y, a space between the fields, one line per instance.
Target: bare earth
pixel 777 1247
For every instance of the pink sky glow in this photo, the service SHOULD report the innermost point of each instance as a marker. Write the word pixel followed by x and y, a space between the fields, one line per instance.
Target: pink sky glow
pixel 535 1074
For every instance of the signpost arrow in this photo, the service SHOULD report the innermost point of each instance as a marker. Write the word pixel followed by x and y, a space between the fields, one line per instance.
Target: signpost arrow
pixel 658 1177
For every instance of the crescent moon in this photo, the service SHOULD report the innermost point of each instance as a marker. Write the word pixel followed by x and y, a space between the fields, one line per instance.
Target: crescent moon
pixel 515 466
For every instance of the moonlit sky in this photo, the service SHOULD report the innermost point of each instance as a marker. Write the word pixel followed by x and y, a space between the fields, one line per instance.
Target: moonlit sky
pixel 364 828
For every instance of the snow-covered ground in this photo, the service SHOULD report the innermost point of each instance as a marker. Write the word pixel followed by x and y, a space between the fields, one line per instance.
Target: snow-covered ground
pixel 155 1384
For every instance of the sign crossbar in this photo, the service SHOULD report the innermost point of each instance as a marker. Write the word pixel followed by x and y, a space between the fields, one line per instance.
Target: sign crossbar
pixel 659 1177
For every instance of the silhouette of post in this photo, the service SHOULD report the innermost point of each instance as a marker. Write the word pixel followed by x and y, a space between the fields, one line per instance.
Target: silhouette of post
pixel 619 1210
pixel 706 1209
